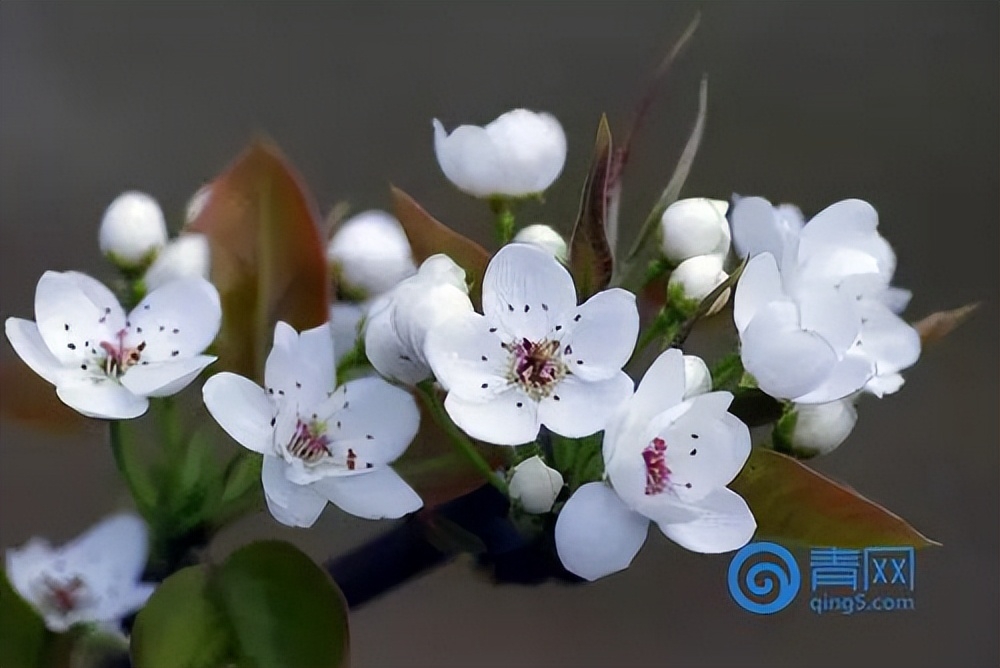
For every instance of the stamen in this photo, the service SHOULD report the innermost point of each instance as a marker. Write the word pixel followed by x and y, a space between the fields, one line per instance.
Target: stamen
pixel 657 471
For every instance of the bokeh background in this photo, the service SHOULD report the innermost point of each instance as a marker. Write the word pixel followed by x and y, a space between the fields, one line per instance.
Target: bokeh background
pixel 896 103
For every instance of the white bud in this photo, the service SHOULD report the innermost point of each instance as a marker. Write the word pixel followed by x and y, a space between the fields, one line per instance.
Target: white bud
pixel 187 256
pixel 821 428
pixel 535 485
pixel 544 237
pixel 698 276
pixel 370 253
pixel 696 226
pixel 697 378
pixel 520 153
pixel 132 230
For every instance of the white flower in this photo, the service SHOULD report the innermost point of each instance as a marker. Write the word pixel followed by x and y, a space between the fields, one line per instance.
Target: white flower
pixel 105 364
pixel 320 442
pixel 399 321
pixel 667 460
pixel 697 377
pixel 836 263
pixel 821 428
pixel 545 238
pixel 520 153
pixel 535 357
pixel 535 485
pixel 370 253
pixel 132 230
pixel 93 579
pixel 189 255
pixel 695 226
pixel 698 276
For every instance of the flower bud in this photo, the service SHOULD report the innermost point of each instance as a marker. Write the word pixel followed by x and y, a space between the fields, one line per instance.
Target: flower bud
pixel 698 276
pixel 821 428
pixel 519 154
pixel 187 256
pixel 696 226
pixel 544 237
pixel 370 254
pixel 132 230
pixel 535 485
pixel 697 378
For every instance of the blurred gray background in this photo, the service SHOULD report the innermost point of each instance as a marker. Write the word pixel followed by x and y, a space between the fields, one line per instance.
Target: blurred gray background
pixel 895 102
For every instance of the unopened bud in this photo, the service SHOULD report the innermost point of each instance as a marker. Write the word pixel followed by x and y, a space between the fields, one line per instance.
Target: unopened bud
pixel 370 254
pixel 535 485
pixel 132 230
pixel 187 256
pixel 544 237
pixel 697 378
pixel 693 227
pixel 821 428
pixel 696 277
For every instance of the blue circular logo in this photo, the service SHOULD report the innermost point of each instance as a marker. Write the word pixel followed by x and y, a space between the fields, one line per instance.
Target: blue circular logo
pixel 764 578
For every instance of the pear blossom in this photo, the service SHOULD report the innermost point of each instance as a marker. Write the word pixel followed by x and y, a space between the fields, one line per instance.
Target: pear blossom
pixel 821 428
pixel 132 230
pixel 370 253
pixel 535 485
pixel 545 238
pixel 104 363
pixel 697 377
pixel 693 227
pixel 667 460
pixel 838 268
pixel 95 578
pixel 186 256
pixel 535 357
pixel 400 320
pixel 320 442
pixel 519 154
pixel 697 276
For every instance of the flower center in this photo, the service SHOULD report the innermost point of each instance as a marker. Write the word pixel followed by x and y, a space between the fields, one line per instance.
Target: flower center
pixel 120 357
pixel 63 596
pixel 310 442
pixel 657 472
pixel 536 367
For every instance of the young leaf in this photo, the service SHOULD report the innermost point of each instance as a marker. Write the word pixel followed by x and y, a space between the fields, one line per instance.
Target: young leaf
pixel 590 256
pixel 428 236
pixel 23 636
pixel 794 504
pixel 267 255
pixel 938 325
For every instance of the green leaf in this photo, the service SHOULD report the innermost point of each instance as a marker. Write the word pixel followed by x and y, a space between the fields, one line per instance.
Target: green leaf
pixel 580 460
pixel 241 487
pixel 267 606
pixel 23 636
pixel 591 259
pixel 428 236
pixel 726 373
pixel 938 325
pixel 268 258
pixel 794 504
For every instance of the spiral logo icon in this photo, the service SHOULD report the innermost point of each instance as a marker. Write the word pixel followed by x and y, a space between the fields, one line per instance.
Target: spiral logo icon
pixel 764 578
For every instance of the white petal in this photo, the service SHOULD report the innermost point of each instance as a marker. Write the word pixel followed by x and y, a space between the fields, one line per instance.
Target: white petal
pixel 596 534
pixel 69 319
pixel 100 397
pixel 377 420
pixel 289 373
pixel 786 361
pixel 847 377
pixel 578 408
pixel 759 285
pixel 162 379
pixel 600 338
pixel 469 159
pixel 370 253
pixel 28 344
pixel 697 377
pixel 531 148
pixel 465 355
pixel 179 319
pixel 725 523
pixel 889 340
pixel 842 220
pixel 292 505
pixel 242 409
pixel 823 310
pixel 881 385
pixel 510 418
pixel 26 563
pixel 316 352
pixel 387 352
pixel 113 551
pixel 378 494
pixel 527 292
pixel 661 388
pixel 756 228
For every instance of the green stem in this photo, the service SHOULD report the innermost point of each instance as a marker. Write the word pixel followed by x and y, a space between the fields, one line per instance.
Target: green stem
pixel 505 219
pixel 458 439
pixel 118 451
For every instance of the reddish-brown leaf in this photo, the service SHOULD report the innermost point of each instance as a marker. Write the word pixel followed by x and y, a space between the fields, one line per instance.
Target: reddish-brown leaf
pixel 591 259
pixel 794 504
pixel 26 398
pixel 429 236
pixel 267 255
pixel 938 325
